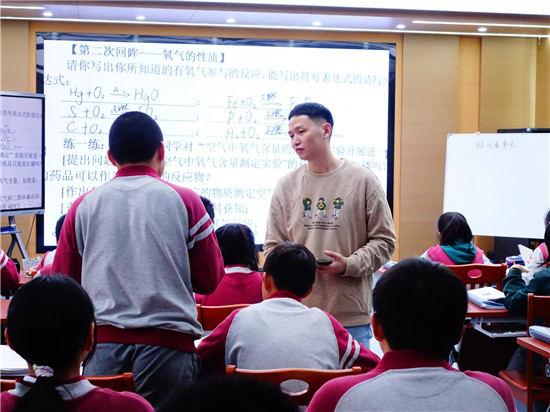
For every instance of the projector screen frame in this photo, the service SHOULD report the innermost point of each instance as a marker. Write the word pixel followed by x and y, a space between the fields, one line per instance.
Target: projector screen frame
pixel 390 46
pixel 34 210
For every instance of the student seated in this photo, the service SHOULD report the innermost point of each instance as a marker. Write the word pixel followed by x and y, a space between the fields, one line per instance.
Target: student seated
pixel 455 242
pixel 516 290
pixel 46 265
pixel 9 274
pixel 242 282
pixel 540 255
pixel 51 325
pixel 281 332
pixel 419 310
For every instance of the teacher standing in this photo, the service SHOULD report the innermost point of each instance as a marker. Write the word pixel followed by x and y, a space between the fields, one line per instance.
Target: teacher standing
pixel 339 211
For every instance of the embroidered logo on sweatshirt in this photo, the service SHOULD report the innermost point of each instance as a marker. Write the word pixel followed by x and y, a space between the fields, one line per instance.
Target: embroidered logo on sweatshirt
pixel 307 207
pixel 321 208
pixel 338 203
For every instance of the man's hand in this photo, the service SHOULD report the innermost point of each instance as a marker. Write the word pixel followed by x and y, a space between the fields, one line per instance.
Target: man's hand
pixel 337 267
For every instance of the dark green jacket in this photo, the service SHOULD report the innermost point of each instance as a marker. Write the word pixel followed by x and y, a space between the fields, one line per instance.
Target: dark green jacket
pixel 516 290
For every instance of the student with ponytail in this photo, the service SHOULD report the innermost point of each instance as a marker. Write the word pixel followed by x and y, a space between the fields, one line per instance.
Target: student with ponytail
pixel 455 242
pixel 51 325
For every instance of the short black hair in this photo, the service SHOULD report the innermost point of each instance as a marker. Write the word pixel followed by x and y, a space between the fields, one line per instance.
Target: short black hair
pixel 292 267
pixel 547 218
pixel 134 137
pixel 453 226
pixel 420 305
pixel 239 393
pixel 209 207
pixel 315 111
pixel 58 227
pixel 237 245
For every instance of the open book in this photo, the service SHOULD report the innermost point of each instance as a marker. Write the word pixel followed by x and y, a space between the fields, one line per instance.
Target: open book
pixel 487 298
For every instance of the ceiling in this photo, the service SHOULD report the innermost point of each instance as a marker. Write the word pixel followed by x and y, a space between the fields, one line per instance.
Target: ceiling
pixel 283 16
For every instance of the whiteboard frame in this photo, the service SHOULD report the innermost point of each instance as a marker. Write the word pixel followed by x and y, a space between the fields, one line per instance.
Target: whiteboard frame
pixel 40 210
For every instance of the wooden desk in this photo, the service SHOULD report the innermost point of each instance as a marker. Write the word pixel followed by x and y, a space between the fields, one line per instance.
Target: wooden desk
pixel 4 304
pixel 535 345
pixel 23 280
pixel 478 346
pixel 475 311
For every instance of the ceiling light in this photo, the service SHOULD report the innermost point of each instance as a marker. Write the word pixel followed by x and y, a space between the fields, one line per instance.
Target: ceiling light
pixel 482 29
pixel 23 7
pixel 230 20
pixel 316 23
pixel 261 26
pixel 48 14
pixel 400 26
pixel 140 17
pixel 462 23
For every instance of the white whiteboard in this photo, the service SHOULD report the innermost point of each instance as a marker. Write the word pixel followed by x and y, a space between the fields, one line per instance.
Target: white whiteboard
pixel 21 153
pixel 222 109
pixel 499 182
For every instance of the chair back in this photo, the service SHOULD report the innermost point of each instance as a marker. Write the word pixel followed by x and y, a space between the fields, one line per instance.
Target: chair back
pixel 538 307
pixel 212 316
pixel 315 378
pixel 477 275
pixel 119 383
pixel 7 385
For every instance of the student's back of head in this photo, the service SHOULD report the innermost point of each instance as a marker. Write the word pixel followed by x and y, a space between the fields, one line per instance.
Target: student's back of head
pixel 420 305
pixel 236 394
pixel 49 324
pixel 209 207
pixel 58 227
pixel 292 267
pixel 134 138
pixel 452 226
pixel 237 245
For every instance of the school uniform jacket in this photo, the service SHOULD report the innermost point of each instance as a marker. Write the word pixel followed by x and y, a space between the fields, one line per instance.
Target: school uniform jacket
pixel 411 380
pixel 239 285
pixel 281 332
pixel 79 395
pixel 8 272
pixel 140 247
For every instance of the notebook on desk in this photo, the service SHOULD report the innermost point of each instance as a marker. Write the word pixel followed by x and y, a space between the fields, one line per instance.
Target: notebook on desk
pixel 487 298
pixel 11 363
pixel 540 332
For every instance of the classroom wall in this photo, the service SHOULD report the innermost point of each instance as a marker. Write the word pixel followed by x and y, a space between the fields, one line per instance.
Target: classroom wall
pixel 445 84
pixel 14 69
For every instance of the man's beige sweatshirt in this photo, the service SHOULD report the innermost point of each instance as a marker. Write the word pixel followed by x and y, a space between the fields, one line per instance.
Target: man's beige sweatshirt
pixel 345 211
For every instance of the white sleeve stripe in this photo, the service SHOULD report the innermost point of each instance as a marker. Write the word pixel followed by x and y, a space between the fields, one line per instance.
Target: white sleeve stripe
pixel 3 260
pixel 348 351
pixel 355 355
pixel 201 222
pixel 201 236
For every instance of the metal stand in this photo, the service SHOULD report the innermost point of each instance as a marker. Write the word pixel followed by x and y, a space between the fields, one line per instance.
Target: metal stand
pixel 15 239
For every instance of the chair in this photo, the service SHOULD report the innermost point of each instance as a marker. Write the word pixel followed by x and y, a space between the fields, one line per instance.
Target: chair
pixel 199 312
pixel 315 378
pixel 119 383
pixel 525 387
pixel 212 316
pixel 478 274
